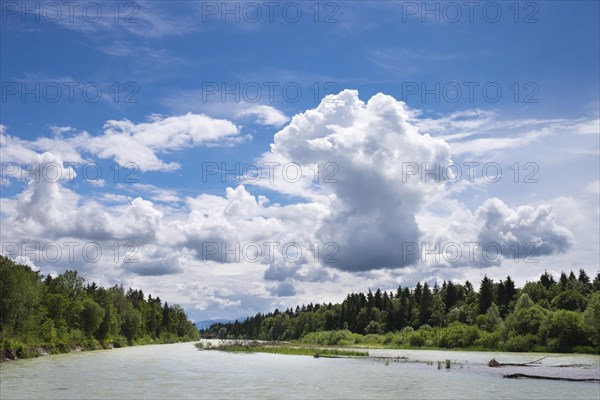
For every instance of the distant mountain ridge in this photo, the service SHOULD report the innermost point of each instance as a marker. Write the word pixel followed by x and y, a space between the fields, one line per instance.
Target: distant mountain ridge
pixel 207 323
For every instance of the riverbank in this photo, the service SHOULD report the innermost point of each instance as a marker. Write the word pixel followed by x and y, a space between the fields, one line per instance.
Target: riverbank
pixel 13 350
pixel 457 337
pixel 32 351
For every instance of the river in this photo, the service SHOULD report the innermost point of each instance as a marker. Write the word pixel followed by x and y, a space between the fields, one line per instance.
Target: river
pixel 181 371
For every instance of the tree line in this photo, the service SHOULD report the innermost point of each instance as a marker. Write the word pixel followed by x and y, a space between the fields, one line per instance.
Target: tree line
pixel 544 315
pixel 64 311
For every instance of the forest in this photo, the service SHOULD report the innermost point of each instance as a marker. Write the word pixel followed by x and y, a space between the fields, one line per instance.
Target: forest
pixel 544 315
pixel 46 314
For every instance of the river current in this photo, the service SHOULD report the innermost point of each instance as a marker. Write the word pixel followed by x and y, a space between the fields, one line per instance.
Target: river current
pixel 181 371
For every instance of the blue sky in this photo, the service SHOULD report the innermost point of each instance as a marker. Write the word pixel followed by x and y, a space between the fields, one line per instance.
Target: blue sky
pixel 169 94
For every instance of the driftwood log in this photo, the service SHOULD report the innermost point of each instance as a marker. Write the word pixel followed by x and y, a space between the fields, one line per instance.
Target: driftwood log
pixel 552 378
pixel 494 363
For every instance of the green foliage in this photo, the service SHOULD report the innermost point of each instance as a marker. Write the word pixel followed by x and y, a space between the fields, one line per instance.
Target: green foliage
pixel 499 317
pixel 536 291
pixel 562 330
pixel 48 332
pixel 131 323
pixel 505 292
pixel 489 340
pixel 596 283
pixel 569 300
pixel 92 316
pixel 547 280
pixel 62 313
pixel 490 320
pixel 330 338
pixel 523 302
pixel 591 319
pixel 374 328
pixel 520 343
pixel 438 312
pixel 20 300
pixel 526 320
pixel 459 314
pixel 416 339
pixel 486 294
pixel 457 335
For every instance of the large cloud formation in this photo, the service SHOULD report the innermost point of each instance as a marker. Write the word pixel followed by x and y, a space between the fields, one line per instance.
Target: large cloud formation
pixel 367 149
pixel 343 170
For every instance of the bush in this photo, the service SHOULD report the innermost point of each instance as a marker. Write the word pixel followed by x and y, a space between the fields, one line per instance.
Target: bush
pixel 520 343
pixel 10 344
pixel 48 332
pixel 407 329
pixel 563 330
pixel 489 340
pixel 482 321
pixel 330 338
pixel 76 336
pixel 373 339
pixel 527 320
pixel 119 341
pixel 340 337
pixel 416 339
pixel 586 349
pixel 490 320
pixel 457 335
pixel 25 351
pixel 389 338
